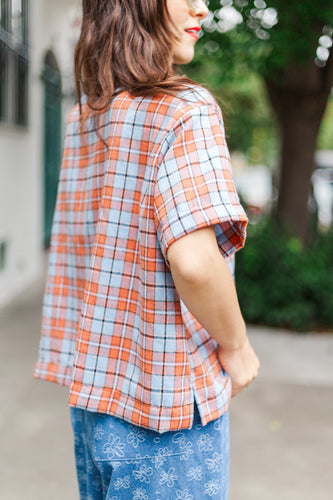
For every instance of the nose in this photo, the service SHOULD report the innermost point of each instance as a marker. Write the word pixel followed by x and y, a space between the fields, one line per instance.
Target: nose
pixel 201 11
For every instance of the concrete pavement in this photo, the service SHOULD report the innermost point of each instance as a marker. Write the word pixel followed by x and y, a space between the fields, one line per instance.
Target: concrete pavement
pixel 281 426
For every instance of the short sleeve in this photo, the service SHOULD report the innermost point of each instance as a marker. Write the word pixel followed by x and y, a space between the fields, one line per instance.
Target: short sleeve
pixel 194 184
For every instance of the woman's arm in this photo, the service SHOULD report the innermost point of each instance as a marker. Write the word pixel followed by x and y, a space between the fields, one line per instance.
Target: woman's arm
pixel 206 286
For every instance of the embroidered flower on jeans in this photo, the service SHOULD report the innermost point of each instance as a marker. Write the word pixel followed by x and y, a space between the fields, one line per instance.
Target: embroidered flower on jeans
pixel 183 495
pixel 160 457
pixel 205 442
pixel 187 450
pixel 185 447
pixel 136 436
pixel 99 432
pixel 169 477
pixel 179 438
pixel 218 424
pixel 143 474
pixel 116 465
pixel 194 473
pixel 140 494
pixel 122 482
pixel 215 463
pixel 212 487
pixel 90 466
pixel 113 448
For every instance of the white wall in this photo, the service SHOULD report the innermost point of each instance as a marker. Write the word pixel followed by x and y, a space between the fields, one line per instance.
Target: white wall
pixel 21 161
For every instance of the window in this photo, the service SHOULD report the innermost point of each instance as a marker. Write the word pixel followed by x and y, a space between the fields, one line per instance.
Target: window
pixel 14 61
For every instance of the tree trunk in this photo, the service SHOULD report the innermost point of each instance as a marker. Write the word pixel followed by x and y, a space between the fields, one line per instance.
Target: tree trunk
pixel 299 100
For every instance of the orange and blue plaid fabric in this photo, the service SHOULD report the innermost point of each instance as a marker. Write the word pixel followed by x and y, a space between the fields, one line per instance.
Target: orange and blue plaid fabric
pixel 114 329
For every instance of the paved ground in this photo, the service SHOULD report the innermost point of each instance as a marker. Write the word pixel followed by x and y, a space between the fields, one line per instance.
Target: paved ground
pixel 281 427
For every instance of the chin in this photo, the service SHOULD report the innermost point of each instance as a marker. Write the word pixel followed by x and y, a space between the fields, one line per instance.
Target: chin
pixel 184 58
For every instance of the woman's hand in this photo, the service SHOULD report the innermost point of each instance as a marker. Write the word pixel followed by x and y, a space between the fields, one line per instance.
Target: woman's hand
pixel 241 364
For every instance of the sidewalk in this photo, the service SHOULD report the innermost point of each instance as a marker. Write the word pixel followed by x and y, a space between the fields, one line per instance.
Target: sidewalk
pixel 281 426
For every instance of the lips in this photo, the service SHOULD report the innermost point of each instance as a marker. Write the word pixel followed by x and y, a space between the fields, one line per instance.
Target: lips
pixel 194 32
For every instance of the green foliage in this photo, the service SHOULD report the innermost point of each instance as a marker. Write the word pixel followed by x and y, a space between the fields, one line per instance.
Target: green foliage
pixel 249 122
pixel 232 62
pixel 281 284
pixel 267 46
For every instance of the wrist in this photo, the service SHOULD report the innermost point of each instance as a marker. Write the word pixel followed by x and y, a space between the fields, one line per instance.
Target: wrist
pixel 234 344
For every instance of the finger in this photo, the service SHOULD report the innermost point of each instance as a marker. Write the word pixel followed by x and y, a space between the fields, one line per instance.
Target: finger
pixel 236 391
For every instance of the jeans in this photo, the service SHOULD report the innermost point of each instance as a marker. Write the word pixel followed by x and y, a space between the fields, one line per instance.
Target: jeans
pixel 119 461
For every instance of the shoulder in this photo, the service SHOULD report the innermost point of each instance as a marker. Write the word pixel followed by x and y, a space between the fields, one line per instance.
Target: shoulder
pixel 195 108
pixel 195 95
pixel 197 104
pixel 192 100
pixel 174 106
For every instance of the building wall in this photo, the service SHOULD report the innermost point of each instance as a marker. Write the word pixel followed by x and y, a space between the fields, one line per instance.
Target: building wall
pixel 21 158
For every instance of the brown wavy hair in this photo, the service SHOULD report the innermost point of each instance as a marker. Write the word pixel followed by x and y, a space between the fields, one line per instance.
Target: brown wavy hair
pixel 126 45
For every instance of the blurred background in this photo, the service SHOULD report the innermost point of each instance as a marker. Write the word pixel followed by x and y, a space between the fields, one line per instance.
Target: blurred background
pixel 270 64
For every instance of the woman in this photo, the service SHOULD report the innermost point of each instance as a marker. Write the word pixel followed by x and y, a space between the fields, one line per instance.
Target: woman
pixel 141 318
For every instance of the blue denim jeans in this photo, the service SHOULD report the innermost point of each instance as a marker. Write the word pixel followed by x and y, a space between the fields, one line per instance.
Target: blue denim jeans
pixel 119 461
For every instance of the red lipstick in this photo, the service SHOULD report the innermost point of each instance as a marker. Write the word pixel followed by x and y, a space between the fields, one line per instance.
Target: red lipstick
pixel 194 32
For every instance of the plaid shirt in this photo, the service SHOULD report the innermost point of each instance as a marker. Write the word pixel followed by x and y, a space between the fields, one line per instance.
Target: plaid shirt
pixel 113 328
